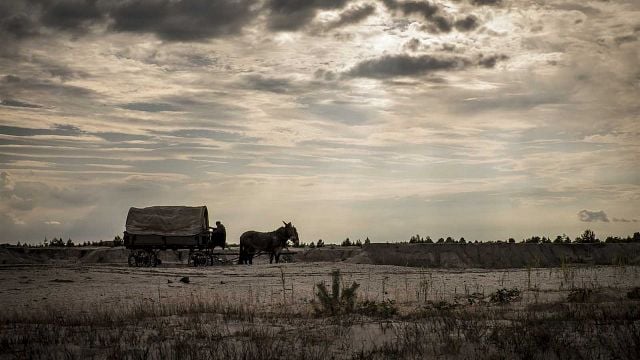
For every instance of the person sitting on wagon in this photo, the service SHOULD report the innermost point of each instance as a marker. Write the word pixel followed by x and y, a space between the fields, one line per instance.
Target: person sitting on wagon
pixel 219 235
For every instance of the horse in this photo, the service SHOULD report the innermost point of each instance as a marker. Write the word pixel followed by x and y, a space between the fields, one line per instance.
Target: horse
pixel 271 242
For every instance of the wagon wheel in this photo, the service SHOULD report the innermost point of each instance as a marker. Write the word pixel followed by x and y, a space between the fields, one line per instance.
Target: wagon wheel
pixel 132 260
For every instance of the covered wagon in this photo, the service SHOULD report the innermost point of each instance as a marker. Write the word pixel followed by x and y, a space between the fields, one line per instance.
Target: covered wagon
pixel 155 228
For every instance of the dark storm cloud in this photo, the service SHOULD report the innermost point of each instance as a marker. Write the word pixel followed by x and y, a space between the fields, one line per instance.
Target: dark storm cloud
pixel 624 220
pixel 19 25
pixel 625 39
pixel 18 103
pixel 429 11
pixel 486 2
pixel 592 216
pixel 70 14
pixel 170 20
pixel 290 15
pixel 468 23
pixel 389 66
pixel 491 60
pixel 26 88
pixel 57 129
pixel 266 83
pixel 150 107
pixel 352 15
pixel 184 20
pixel 438 20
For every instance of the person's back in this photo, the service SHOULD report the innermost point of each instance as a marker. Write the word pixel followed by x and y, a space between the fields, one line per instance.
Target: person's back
pixel 219 235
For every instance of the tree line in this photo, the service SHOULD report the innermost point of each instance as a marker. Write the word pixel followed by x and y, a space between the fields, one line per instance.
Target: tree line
pixel 60 242
pixel 587 237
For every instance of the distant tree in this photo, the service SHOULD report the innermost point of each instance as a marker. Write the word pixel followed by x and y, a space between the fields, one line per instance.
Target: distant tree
pixel 558 240
pixel 346 242
pixel 636 237
pixel 312 245
pixel 512 241
pixel 70 243
pixel 588 236
pixel 614 239
pixel 545 240
pixel 18 244
pixel 441 241
pixel 414 239
pixel 358 243
pixel 533 240
pixel 428 240
pixel 367 241
pixel 45 242
pixel 117 241
pixel 462 240
pixel 320 243
pixel 449 240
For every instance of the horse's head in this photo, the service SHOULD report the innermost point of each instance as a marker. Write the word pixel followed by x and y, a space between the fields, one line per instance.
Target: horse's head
pixel 292 233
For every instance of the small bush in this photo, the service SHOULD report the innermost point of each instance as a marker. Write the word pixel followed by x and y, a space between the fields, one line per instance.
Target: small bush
pixel 505 296
pixel 579 295
pixel 384 309
pixel 634 294
pixel 339 301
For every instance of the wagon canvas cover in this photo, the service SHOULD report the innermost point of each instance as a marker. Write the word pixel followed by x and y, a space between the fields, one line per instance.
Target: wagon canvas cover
pixel 168 220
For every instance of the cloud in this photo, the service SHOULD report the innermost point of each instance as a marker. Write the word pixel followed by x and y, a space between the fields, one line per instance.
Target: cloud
pixel 427 10
pixel 6 182
pixel 183 20
pixel 468 23
pixel 291 15
pixel 625 39
pixel 486 2
pixel 150 107
pixel 389 66
pixel 351 15
pixel 70 14
pixel 592 216
pixel 18 103
pixel 624 220
pixel 491 60
pixel 52 222
pixel 266 83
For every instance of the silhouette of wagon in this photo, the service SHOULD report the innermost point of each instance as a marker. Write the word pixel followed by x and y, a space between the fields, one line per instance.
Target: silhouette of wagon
pixel 152 229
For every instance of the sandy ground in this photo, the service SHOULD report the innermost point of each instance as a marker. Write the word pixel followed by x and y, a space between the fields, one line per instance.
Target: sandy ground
pixel 76 286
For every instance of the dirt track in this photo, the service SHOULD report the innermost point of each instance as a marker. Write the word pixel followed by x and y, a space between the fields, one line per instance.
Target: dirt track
pixel 84 287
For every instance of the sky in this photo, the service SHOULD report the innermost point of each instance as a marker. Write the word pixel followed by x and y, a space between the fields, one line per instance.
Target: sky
pixel 483 119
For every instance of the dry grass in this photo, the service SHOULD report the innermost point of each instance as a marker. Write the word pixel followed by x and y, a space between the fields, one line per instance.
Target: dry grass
pixel 209 327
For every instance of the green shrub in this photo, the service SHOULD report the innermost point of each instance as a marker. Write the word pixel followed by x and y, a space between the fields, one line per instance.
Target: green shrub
pixel 338 301
pixel 505 296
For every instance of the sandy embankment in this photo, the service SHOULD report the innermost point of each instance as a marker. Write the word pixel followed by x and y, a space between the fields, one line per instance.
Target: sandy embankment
pixel 455 256
pixel 488 256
